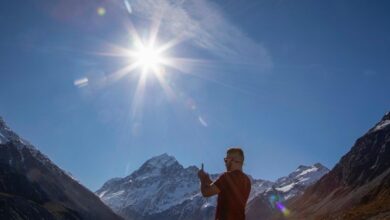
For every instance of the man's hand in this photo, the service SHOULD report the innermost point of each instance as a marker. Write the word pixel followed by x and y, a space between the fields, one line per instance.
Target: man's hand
pixel 206 187
pixel 204 177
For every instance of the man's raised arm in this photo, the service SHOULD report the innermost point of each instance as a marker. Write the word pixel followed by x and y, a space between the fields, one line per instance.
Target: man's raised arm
pixel 206 187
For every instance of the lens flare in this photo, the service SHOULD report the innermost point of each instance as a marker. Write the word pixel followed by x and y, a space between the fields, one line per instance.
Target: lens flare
pixel 283 209
pixel 128 6
pixel 101 11
pixel 276 202
pixel 81 82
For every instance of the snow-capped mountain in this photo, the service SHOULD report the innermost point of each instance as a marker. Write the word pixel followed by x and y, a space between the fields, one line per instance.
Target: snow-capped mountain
pixel 163 189
pixel 159 184
pixel 33 187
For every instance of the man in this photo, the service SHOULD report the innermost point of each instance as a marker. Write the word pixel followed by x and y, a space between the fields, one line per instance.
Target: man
pixel 233 187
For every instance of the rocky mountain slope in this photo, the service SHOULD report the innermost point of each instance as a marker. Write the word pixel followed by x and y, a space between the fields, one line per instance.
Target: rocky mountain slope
pixel 163 189
pixel 358 187
pixel 33 187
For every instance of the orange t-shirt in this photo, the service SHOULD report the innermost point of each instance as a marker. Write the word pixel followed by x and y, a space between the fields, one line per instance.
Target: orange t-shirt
pixel 235 187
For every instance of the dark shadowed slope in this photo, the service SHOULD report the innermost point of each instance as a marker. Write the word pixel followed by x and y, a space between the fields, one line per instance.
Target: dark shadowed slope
pixel 33 187
pixel 358 187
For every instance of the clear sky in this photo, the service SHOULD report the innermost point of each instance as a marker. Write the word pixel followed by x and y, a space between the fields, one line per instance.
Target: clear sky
pixel 292 82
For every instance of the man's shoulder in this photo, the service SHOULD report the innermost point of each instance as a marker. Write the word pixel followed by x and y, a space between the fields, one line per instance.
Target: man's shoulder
pixel 234 173
pixel 237 173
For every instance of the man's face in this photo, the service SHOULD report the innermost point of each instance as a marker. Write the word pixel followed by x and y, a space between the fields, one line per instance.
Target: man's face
pixel 230 159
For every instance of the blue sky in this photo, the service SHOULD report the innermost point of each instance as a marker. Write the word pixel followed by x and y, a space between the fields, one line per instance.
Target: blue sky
pixel 291 82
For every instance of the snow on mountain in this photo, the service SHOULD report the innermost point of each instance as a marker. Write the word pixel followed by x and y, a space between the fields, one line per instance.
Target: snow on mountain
pixel 383 123
pixel 2 138
pixel 3 131
pixel 259 187
pixel 293 184
pixel 163 189
pixel 7 135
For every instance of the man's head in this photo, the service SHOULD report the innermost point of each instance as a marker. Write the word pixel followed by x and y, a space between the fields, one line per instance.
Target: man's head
pixel 234 159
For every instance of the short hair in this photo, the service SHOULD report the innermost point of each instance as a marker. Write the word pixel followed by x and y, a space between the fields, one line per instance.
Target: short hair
pixel 236 150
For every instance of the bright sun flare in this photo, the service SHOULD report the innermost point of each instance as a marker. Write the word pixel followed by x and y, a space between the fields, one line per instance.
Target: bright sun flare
pixel 148 58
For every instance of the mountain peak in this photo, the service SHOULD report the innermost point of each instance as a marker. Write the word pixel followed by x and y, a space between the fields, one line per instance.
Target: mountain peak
pixel 3 125
pixel 7 135
pixel 163 160
pixel 386 116
pixel 303 170
pixel 319 166
pixel 1 121
pixel 313 167
pixel 385 122
pixel 302 167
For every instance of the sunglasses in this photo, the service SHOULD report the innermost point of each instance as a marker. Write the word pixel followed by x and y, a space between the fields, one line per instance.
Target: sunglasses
pixel 226 159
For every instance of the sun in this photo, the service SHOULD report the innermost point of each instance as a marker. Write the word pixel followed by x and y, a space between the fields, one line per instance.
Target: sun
pixel 148 57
